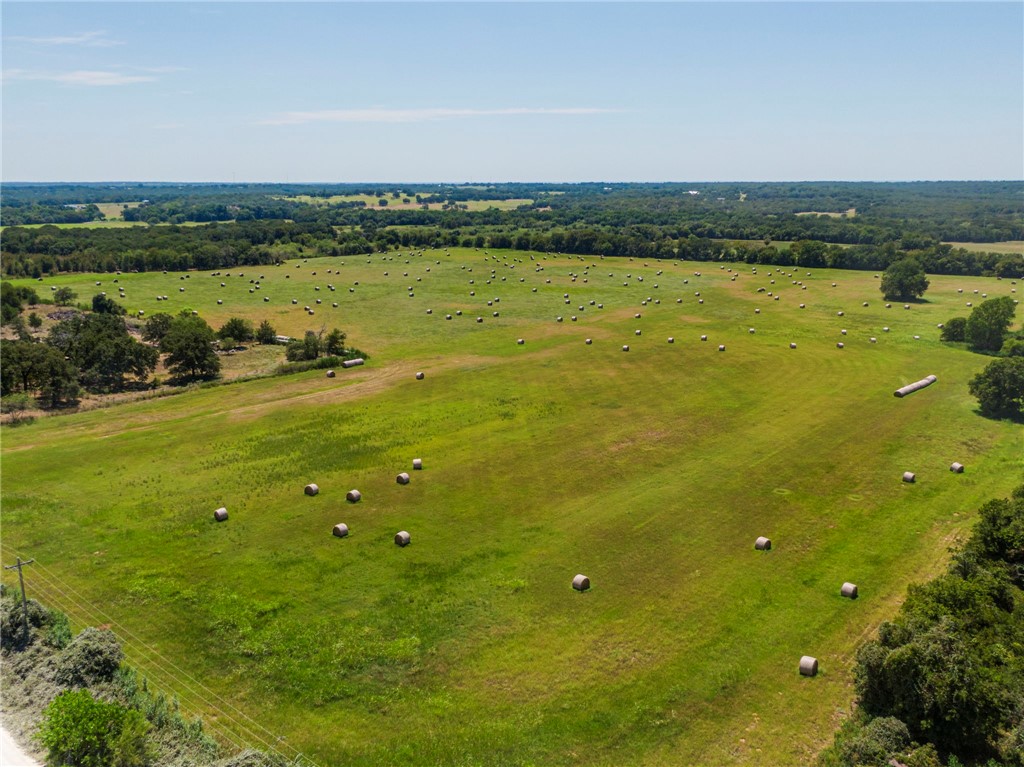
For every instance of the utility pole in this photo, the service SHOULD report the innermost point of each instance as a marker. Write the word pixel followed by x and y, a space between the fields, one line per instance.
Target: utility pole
pixel 24 602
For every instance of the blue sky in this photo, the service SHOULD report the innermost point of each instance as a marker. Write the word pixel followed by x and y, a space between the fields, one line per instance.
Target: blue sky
pixel 470 91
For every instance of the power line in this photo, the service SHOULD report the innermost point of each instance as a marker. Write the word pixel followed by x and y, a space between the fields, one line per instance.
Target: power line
pixel 140 647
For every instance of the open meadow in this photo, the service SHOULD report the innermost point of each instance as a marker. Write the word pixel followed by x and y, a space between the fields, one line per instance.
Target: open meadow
pixel 651 470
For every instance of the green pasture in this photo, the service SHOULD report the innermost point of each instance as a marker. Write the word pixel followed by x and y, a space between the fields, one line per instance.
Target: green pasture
pixel 651 471
pixel 1009 246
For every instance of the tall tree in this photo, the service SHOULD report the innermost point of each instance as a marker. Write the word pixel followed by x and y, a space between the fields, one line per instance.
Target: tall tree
pixel 904 280
pixel 189 348
pixel 988 323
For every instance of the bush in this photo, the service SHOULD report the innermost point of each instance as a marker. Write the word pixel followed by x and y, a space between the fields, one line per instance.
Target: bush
pixel 92 656
pixel 16 403
pixel 881 739
pixel 955 329
pixel 58 632
pixel 79 731
pixel 1013 347
pixel 12 619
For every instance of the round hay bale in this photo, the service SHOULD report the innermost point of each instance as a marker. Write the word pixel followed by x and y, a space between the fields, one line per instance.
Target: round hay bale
pixel 848 590
pixel 520 341
pixel 803 306
pixel 843 331
pixel 402 479
pixel 763 544
pixel 721 347
pixel 402 538
pixel 479 319
pixel 671 340
pixel 419 376
pixel 808 666
pixel 909 476
pixel 581 582
pixel 353 496
pixel 792 345
pixel 839 345
pixel 956 467
pixel 417 464
pixel 311 489
pixel 637 332
pixel 588 342
pixel 340 530
pixel 221 514
pixel 751 331
pixel 839 314
pixel 625 347
pixel 330 374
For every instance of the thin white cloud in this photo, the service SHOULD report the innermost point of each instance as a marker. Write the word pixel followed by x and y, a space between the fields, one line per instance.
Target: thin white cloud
pixel 385 115
pixel 97 39
pixel 85 77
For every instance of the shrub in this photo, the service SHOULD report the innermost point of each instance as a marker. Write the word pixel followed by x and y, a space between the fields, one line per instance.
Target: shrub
pixel 92 656
pixel 1013 347
pixel 79 731
pixel 955 329
pixel 58 632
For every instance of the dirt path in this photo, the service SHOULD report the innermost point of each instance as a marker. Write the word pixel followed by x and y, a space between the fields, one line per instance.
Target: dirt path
pixel 11 754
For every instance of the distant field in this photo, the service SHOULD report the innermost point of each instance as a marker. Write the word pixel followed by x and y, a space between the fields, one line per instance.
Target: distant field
pixel 115 224
pixel 1010 246
pixel 651 471
pixel 848 213
pixel 372 202
pixel 114 210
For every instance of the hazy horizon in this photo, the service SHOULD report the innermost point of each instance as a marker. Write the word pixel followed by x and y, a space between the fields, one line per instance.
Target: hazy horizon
pixel 268 92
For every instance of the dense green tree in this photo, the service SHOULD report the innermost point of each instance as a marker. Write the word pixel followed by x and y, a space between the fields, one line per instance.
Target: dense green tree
pixel 237 328
pixel 987 325
pixel 265 333
pixel 35 367
pixel 102 304
pixel 64 296
pixel 999 388
pixel 955 329
pixel 904 280
pixel 13 300
pixel 35 321
pixel 80 731
pixel 334 343
pixel 189 348
pixel 156 327
pixel 1012 347
pixel 100 346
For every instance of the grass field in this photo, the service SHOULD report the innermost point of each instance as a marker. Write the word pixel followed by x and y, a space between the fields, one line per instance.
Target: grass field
pixel 652 471
pixel 1010 246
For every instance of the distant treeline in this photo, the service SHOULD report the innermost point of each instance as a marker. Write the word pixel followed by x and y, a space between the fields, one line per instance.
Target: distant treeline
pixel 48 250
pixel 860 213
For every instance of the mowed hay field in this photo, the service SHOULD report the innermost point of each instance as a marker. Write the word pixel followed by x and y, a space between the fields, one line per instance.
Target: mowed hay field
pixel 651 471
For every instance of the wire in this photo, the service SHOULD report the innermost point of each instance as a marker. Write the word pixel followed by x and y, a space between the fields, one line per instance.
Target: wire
pixel 178 675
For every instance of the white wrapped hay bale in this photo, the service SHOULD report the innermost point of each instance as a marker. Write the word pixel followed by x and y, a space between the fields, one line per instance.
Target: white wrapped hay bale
pixel 340 530
pixel 763 544
pixel 581 582
pixel 311 489
pixel 848 590
pixel 402 479
pixel 353 496
pixel 221 514
pixel 808 666
pixel 402 538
